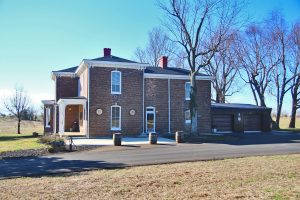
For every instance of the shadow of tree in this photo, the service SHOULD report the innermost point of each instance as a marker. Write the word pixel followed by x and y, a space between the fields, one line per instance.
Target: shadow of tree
pixel 37 166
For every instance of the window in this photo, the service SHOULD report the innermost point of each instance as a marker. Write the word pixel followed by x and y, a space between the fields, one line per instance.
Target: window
pixel 48 116
pixel 115 118
pixel 116 82
pixel 187 116
pixel 187 90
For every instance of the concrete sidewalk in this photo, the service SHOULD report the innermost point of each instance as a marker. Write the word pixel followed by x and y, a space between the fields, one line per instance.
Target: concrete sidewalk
pixel 125 141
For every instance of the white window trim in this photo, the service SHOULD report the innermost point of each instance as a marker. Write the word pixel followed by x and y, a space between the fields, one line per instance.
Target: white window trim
pixel 187 98
pixel 120 121
pixel 187 121
pixel 111 74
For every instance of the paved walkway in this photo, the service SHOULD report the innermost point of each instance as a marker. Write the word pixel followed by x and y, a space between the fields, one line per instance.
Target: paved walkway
pixel 125 141
pixel 124 156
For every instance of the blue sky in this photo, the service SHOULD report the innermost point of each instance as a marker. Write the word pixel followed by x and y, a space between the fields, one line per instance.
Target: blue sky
pixel 38 36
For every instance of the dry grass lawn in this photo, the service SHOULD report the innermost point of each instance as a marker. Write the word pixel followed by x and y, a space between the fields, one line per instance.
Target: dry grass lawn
pixel 274 177
pixel 10 141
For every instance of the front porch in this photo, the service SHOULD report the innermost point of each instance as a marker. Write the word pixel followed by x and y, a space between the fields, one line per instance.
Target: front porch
pixel 72 116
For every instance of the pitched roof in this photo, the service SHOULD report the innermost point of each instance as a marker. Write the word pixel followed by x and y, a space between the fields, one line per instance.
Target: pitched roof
pixel 169 70
pixel 237 106
pixel 71 69
pixel 112 59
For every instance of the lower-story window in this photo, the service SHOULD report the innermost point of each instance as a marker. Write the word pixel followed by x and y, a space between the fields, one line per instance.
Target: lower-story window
pixel 115 120
pixel 187 115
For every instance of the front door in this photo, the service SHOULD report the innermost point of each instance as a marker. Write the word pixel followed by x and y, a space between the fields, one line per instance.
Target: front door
pixel 150 119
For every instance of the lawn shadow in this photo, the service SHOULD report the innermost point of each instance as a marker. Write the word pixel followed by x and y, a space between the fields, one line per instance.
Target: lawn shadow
pixel 254 138
pixel 14 137
pixel 38 166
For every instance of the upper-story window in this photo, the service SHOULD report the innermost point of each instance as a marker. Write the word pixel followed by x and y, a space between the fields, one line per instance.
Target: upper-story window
pixel 187 90
pixel 116 82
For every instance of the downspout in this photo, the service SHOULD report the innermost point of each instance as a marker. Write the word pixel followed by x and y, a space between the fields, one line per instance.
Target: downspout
pixel 55 106
pixel 143 121
pixel 88 107
pixel 169 106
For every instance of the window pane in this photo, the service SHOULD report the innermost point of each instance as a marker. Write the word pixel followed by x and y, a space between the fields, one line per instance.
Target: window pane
pixel 187 90
pixel 187 116
pixel 115 117
pixel 116 82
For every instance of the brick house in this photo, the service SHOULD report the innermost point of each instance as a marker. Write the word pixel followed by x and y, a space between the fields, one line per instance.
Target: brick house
pixel 110 94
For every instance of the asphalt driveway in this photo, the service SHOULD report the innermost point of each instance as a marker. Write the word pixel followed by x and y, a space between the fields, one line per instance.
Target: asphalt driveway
pixel 254 144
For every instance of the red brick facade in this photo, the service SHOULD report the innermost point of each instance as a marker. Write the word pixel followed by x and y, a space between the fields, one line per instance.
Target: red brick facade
pixel 131 99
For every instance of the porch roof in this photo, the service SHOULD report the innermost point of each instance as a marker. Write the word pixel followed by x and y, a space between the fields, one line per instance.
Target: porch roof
pixel 72 100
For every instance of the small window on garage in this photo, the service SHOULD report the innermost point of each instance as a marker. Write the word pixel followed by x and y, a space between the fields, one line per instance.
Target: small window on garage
pixel 187 90
pixel 187 115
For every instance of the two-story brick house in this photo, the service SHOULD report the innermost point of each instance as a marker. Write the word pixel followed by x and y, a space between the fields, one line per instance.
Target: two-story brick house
pixel 110 94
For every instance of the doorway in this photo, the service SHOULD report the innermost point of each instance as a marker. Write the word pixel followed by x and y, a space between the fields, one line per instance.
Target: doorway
pixel 150 119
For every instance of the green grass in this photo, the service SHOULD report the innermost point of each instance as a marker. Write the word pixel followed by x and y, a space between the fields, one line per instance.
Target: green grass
pixel 10 141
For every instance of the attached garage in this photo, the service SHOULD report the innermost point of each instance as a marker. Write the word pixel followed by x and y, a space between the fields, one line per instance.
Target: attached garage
pixel 240 118
pixel 252 122
pixel 223 122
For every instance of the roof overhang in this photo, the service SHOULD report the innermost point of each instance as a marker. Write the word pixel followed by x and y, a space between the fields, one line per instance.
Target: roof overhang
pixel 48 102
pixel 92 63
pixel 62 74
pixel 71 101
pixel 171 76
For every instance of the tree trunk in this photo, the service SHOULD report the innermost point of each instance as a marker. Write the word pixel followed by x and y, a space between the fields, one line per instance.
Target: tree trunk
pixel 293 116
pixel 19 124
pixel 193 105
pixel 294 108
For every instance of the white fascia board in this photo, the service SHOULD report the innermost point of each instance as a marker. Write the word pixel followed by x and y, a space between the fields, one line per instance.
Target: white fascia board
pixel 48 102
pixel 71 101
pixel 82 66
pixel 64 74
pixel 117 64
pixel 170 76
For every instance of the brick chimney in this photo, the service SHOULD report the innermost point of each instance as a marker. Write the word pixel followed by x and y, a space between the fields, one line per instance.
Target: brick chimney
pixel 106 52
pixel 163 62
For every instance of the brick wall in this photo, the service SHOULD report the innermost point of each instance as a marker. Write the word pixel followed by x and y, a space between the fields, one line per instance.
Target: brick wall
pixel 156 95
pixel 101 98
pixel 66 87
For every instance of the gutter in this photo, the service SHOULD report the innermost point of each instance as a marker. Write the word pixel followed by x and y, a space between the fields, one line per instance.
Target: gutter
pixel 143 121
pixel 88 107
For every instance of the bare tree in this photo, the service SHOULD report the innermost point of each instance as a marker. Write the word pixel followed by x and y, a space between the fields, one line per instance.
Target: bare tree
pixel 295 69
pixel 199 27
pixel 224 70
pixel 256 63
pixel 158 45
pixel 278 33
pixel 16 104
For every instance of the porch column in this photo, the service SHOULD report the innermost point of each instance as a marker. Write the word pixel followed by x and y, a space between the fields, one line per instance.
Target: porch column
pixel 62 109
pixel 54 118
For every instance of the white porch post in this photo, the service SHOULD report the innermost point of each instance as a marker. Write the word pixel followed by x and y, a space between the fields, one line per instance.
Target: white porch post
pixel 62 109
pixel 54 118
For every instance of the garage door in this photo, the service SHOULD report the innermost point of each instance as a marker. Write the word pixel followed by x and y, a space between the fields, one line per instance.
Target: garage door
pixel 252 122
pixel 223 122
